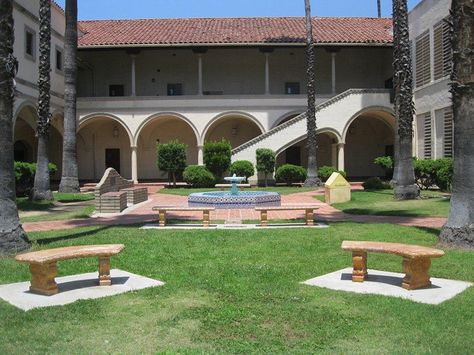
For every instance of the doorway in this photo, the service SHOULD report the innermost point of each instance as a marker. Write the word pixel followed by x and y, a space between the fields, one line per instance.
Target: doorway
pixel 112 159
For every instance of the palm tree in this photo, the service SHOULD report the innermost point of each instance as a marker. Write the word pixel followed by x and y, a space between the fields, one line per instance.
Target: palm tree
pixel 403 175
pixel 312 179
pixel 459 228
pixel 69 175
pixel 41 189
pixel 379 9
pixel 12 235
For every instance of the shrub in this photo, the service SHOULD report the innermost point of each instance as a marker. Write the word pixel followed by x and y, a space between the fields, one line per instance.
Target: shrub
pixel 242 168
pixel 425 173
pixel 290 173
pixel 25 176
pixel 444 174
pixel 375 183
pixel 265 162
pixel 198 176
pixel 171 157
pixel 325 172
pixel 386 163
pixel 217 157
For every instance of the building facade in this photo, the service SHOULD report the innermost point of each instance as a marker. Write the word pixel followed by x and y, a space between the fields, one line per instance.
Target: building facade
pixel 143 82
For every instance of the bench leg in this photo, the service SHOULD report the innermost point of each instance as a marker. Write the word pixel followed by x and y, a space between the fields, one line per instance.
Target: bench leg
pixel 416 273
pixel 264 218
pixel 309 217
pixel 359 264
pixel 42 279
pixel 104 271
pixel 205 218
pixel 162 218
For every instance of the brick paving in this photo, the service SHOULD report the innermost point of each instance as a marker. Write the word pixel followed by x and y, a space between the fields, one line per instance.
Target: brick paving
pixel 144 214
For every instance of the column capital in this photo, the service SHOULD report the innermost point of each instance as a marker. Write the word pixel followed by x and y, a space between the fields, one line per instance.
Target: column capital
pixel 341 144
pixel 133 52
pixel 200 50
pixel 266 50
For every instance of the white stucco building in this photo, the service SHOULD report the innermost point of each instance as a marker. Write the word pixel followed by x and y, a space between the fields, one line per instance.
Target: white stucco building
pixel 243 79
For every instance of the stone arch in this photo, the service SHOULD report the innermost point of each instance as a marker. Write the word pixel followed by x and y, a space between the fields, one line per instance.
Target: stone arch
pixel 286 117
pixel 230 120
pixel 24 104
pixel 157 116
pixel 162 128
pixel 104 141
pixel 368 135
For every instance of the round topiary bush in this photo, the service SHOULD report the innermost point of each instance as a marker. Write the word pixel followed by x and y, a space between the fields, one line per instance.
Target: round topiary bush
pixel 290 173
pixel 325 172
pixel 375 183
pixel 242 168
pixel 198 176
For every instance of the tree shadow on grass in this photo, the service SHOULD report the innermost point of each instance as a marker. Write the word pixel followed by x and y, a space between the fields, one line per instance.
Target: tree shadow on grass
pixel 71 236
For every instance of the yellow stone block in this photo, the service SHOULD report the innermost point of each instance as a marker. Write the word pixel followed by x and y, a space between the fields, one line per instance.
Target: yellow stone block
pixel 337 189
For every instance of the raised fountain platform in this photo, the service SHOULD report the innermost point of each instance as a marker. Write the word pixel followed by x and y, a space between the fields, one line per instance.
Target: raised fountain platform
pixel 225 199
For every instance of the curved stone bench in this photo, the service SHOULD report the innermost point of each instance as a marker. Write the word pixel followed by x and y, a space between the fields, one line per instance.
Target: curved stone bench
pixel 43 264
pixel 416 260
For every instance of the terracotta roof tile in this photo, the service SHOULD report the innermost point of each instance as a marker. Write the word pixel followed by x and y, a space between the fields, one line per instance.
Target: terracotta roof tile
pixel 228 31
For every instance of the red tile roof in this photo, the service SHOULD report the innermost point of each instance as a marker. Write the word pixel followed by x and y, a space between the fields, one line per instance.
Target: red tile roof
pixel 233 31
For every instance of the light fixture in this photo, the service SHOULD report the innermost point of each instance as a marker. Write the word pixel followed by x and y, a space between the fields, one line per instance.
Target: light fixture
pixel 115 132
pixel 234 131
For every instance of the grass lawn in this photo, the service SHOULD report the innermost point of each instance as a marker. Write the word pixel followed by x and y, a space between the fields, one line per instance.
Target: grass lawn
pixel 431 204
pixel 26 208
pixel 239 291
pixel 282 190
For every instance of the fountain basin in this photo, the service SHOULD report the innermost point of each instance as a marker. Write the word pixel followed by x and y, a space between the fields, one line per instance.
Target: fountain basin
pixel 225 199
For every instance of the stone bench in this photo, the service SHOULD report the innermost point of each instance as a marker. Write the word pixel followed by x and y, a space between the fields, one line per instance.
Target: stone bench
pixel 163 209
pixel 43 264
pixel 136 194
pixel 309 212
pixel 223 186
pixel 416 260
pixel 113 202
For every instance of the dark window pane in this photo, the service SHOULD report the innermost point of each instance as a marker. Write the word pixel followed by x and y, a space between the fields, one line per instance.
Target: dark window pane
pixel 292 88
pixel 116 90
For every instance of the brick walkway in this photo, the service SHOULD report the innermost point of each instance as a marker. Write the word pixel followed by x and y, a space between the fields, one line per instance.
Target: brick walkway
pixel 144 214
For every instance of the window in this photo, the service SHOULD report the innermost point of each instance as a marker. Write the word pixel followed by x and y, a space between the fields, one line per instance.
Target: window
pixel 116 90
pixel 59 60
pixel 443 56
pixel 427 135
pixel 174 89
pixel 292 88
pixel 448 133
pixel 422 60
pixel 30 44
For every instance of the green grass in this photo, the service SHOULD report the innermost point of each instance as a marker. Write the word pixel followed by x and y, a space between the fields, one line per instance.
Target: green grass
pixel 282 190
pixel 240 292
pixel 431 204
pixel 25 205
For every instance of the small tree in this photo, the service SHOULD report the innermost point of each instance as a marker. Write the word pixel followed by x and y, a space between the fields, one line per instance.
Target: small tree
pixel 242 168
pixel 217 157
pixel 171 157
pixel 265 162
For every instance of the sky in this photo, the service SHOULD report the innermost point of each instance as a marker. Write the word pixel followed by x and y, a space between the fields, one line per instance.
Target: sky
pixel 122 9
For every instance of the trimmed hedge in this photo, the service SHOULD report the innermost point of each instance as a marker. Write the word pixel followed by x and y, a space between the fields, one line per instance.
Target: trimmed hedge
pixel 290 173
pixel 25 176
pixel 171 157
pixel 266 159
pixel 242 168
pixel 217 157
pixel 198 176
pixel 325 172
pixel 375 183
pixel 429 172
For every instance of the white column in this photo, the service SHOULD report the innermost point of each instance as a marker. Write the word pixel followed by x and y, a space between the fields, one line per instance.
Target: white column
pixel 200 92
pixel 200 155
pixel 134 165
pixel 333 71
pixel 134 92
pixel 340 156
pixel 267 74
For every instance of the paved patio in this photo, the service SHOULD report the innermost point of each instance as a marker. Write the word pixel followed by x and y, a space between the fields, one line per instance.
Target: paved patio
pixel 144 214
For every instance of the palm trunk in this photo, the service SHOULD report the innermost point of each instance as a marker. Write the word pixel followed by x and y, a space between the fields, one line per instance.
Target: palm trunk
pixel 459 229
pixel 379 9
pixel 403 175
pixel 70 175
pixel 41 189
pixel 12 235
pixel 312 176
